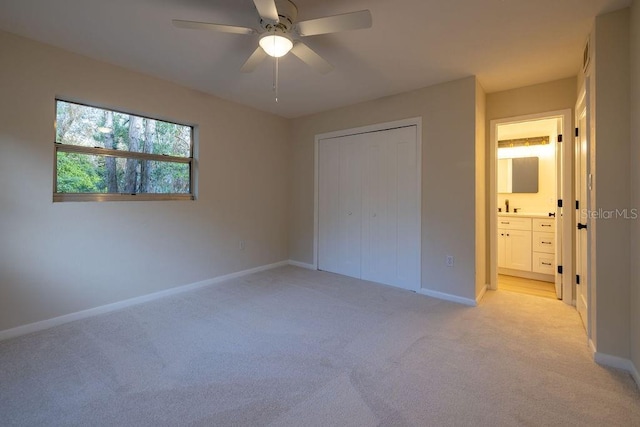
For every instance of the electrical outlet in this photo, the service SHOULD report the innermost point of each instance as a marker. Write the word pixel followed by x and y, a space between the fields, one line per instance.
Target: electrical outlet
pixel 450 261
pixel 241 245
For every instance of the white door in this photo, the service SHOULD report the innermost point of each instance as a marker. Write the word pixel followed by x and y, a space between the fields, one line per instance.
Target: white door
pixel 582 188
pixel 391 243
pixel 370 230
pixel 329 205
pixel 340 207
pixel 350 207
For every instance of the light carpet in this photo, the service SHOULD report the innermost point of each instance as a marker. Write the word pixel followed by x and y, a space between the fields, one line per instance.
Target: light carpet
pixel 292 347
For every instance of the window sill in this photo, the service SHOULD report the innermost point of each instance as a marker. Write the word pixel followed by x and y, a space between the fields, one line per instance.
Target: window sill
pixel 76 197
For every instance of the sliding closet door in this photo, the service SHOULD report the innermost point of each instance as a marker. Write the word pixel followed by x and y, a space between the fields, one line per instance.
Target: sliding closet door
pixel 369 216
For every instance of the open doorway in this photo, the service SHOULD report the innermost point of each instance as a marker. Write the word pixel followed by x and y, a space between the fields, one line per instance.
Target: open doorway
pixel 530 174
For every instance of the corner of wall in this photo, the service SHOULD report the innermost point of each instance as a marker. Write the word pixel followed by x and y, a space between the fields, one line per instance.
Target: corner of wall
pixel 612 183
pixel 482 243
pixel 635 185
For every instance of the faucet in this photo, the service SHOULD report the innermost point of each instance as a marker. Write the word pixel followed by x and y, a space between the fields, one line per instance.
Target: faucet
pixel 506 204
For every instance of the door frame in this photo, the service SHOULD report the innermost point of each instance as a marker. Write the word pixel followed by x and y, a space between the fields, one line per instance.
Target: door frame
pixel 567 190
pixel 414 121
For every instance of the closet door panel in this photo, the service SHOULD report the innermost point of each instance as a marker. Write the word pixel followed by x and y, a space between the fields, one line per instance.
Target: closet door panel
pixel 372 215
pixel 408 218
pixel 328 205
pixel 350 196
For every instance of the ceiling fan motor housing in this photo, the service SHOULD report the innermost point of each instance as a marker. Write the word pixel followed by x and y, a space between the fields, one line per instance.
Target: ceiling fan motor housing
pixel 288 13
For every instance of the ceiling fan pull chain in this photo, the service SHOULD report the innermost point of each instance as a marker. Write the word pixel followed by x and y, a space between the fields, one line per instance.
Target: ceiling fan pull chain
pixel 276 77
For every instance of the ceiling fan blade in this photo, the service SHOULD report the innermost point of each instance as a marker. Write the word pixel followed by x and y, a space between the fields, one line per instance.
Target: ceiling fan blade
pixel 336 23
pixel 254 60
pixel 193 25
pixel 311 58
pixel 267 10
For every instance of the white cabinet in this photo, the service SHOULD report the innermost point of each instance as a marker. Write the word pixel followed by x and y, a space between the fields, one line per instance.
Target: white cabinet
pixel 514 243
pixel 526 244
pixel 544 245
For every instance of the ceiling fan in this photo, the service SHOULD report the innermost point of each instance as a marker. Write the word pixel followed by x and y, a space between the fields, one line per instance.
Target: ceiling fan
pixel 280 33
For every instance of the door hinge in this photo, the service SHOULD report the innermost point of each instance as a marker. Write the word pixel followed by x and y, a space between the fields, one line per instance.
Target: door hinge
pixel 577 279
pixel 559 269
pixel 577 132
pixel 577 204
pixel 582 226
pixel 559 203
pixel 560 138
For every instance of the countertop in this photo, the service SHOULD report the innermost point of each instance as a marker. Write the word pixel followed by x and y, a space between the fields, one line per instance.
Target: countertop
pixel 526 214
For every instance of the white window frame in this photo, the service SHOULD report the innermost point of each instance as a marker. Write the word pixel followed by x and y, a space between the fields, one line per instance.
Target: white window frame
pixel 104 197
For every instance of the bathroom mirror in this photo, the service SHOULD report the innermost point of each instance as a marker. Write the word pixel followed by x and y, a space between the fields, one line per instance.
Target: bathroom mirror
pixel 518 175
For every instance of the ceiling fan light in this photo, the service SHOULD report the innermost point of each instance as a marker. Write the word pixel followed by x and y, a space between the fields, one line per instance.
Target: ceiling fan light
pixel 276 45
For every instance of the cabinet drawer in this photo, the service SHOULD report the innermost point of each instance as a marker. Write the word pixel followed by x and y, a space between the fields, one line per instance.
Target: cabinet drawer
pixel 544 263
pixel 512 223
pixel 543 224
pixel 544 242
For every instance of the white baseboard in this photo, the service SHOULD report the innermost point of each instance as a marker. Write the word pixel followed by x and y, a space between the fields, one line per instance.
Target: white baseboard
pixel 618 363
pixel 50 323
pixel 448 297
pixel 635 374
pixel 481 294
pixel 302 265
pixel 612 361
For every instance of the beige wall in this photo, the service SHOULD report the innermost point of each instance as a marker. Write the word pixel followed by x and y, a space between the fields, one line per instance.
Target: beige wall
pixel 635 181
pixel 448 177
pixel 65 257
pixel 610 154
pixel 540 98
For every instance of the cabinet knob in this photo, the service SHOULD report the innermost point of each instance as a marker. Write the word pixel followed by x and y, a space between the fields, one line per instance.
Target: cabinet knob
pixel 375 215
pixel 349 213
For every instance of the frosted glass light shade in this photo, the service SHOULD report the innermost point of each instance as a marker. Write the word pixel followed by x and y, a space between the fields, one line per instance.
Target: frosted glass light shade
pixel 275 45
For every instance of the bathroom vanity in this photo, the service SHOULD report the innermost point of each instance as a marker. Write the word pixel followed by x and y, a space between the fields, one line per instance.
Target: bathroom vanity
pixel 526 246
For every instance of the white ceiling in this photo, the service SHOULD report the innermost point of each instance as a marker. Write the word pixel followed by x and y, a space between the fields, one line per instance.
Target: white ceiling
pixel 413 44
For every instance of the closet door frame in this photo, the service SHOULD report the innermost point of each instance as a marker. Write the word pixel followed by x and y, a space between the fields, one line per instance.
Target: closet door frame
pixel 415 121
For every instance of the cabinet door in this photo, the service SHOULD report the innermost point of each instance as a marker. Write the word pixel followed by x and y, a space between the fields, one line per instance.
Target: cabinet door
pixel 502 250
pixel 518 250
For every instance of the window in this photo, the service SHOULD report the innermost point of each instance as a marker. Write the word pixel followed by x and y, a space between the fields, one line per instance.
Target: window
pixel 102 154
